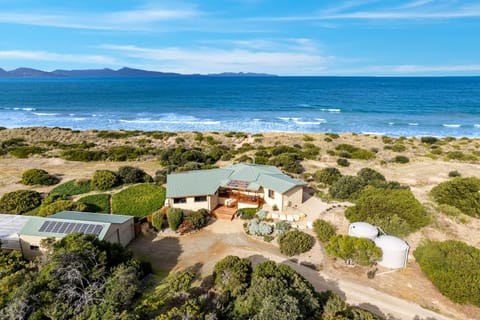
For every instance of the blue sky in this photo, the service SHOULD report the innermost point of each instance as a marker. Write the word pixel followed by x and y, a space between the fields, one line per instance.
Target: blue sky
pixel 353 37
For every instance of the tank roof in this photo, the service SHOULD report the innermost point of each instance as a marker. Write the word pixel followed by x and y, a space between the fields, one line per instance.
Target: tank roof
pixel 391 243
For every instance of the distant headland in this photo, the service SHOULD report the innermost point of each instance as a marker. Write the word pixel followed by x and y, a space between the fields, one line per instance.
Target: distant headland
pixel 110 73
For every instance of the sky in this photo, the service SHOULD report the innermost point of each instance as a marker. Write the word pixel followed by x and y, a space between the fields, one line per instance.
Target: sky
pixel 352 37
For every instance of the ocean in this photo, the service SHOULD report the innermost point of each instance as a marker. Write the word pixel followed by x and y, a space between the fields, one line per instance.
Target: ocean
pixel 447 106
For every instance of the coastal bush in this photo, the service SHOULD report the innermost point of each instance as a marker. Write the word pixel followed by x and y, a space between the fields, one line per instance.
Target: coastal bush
pixel 231 275
pixel 289 162
pixel 459 155
pixel 454 174
pixel 19 202
pixel 38 177
pixel 343 162
pixel 453 267
pixel 128 174
pixel 25 151
pixel 116 134
pixel 295 242
pixel 61 205
pixel 354 250
pixel 401 159
pixel 346 188
pixel 174 218
pixel 160 177
pixel 327 175
pixel 104 180
pixel 83 155
pixel 310 151
pixel 124 153
pixel 449 210
pixel 97 203
pixel 369 175
pixel 198 218
pixel 461 193
pixel 73 187
pixel 157 220
pixel 323 230
pixel 333 135
pixel 257 228
pixel 396 211
pixel 429 140
pixel 139 200
pixel 355 152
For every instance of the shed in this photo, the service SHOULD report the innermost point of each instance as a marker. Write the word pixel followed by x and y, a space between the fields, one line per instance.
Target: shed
pixel 394 252
pixel 10 226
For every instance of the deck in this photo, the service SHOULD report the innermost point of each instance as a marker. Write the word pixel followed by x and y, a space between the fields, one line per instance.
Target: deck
pixel 224 212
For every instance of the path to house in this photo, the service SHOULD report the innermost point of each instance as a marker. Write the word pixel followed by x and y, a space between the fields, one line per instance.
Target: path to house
pixel 200 251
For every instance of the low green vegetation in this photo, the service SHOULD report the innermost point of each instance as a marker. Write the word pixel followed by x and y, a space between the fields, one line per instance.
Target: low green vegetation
pixel 174 218
pixel 59 205
pixel 257 228
pixel 97 203
pixel 138 200
pixel 349 151
pixel 41 177
pixel 20 202
pixel 346 188
pixel 25 151
pixel 104 180
pixel 354 250
pixel 327 175
pixel 324 230
pixel 401 159
pixel 72 187
pixel 453 267
pixel 396 211
pixel 247 213
pixel 461 193
pixel 295 242
pixel 128 174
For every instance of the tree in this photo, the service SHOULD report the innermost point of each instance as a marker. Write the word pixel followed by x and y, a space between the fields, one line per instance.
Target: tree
pixel 295 242
pixel 396 211
pixel 157 220
pixel 327 175
pixel 323 229
pixel 461 193
pixel 38 177
pixel 351 249
pixel 174 218
pixel 232 274
pixel 19 202
pixel 346 188
pixel 128 174
pixel 104 180
pixel 369 175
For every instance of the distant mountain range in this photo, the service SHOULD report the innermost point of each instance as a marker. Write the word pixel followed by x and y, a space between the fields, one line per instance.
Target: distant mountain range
pixel 110 73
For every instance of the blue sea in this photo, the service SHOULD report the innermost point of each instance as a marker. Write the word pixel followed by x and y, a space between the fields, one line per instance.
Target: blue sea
pixel 389 106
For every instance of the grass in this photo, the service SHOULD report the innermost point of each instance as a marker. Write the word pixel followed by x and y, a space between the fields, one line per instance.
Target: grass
pixel 97 202
pixel 71 188
pixel 138 200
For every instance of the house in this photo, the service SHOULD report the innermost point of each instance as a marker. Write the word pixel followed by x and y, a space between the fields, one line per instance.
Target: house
pixel 227 189
pixel 25 233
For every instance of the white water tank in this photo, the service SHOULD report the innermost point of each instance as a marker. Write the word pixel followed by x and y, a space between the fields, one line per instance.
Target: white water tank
pixel 362 230
pixel 394 252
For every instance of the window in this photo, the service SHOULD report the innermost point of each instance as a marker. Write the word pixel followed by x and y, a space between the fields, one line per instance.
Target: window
pixel 179 200
pixel 201 199
pixel 271 194
pixel 34 248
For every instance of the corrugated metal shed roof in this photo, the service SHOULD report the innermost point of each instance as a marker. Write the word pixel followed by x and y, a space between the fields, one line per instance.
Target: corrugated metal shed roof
pixel 32 227
pixel 10 226
pixel 90 216
pixel 206 182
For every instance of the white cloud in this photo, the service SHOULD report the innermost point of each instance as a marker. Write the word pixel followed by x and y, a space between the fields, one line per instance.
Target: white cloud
pixel 212 60
pixel 57 57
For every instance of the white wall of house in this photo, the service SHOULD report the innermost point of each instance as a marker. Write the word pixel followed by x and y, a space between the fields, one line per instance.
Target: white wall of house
pixel 213 202
pixel 31 246
pixel 191 204
pixel 122 233
pixel 277 198
pixel 293 197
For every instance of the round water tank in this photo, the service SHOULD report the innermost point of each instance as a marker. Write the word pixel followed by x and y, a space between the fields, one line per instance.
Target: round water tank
pixel 394 252
pixel 362 230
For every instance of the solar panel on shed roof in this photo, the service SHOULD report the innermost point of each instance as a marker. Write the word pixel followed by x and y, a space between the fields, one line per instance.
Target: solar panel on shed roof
pixel 239 184
pixel 69 227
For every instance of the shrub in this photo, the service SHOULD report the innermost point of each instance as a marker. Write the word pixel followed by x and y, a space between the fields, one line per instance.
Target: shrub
pixel 185 227
pixel 38 177
pixel 369 175
pixel 157 220
pixel 343 162
pixel 289 162
pixel 323 230
pixel 25 151
pixel 449 210
pixel 83 155
pixel 247 213
pixel 128 174
pixel 396 211
pixel 275 207
pixel 346 188
pixel 429 140
pixel 282 226
pixel 104 180
pixel 139 200
pixel 174 218
pixel 232 275
pixel 453 267
pixel 399 147
pixel 97 203
pixel 461 193
pixel 19 202
pixel 356 250
pixel 73 187
pixel 257 228
pixel 327 175
pixel 198 218
pixel 295 242
pixel 401 159
pixel 454 174
pixel 61 205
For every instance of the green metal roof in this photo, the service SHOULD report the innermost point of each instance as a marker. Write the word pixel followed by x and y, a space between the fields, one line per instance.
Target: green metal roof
pixel 32 227
pixel 90 216
pixel 207 182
